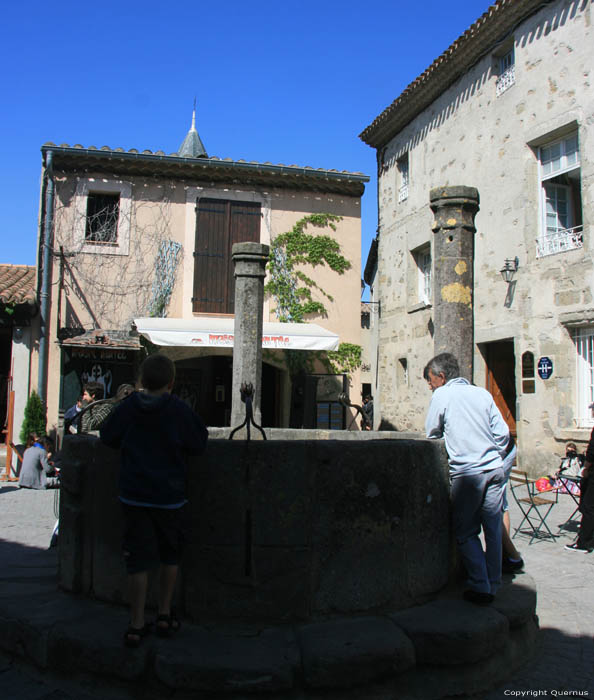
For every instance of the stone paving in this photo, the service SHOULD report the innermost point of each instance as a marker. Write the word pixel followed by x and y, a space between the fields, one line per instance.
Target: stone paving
pixel 563 665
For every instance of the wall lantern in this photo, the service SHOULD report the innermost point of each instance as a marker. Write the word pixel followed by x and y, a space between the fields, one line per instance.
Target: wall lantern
pixel 509 269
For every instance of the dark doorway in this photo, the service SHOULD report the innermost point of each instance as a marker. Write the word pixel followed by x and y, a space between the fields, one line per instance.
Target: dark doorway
pixel 205 384
pixel 501 379
pixel 5 372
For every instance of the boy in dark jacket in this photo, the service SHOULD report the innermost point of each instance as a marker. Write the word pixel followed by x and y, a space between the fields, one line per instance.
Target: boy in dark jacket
pixel 155 431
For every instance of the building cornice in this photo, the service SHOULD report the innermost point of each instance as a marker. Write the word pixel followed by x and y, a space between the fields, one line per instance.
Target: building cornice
pixel 242 173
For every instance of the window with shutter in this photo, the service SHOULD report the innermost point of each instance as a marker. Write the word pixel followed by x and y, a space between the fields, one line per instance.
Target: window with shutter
pixel 220 223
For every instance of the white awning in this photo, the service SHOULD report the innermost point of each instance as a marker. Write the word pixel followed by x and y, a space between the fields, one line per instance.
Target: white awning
pixel 207 332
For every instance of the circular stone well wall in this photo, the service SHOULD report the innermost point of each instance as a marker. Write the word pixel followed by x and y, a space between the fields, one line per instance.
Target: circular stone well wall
pixel 280 530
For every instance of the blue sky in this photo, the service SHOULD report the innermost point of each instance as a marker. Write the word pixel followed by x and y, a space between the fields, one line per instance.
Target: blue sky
pixel 291 83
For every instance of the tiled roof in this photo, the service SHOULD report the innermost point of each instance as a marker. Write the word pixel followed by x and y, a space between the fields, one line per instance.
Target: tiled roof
pixel 105 339
pixel 77 158
pixel 479 39
pixel 17 284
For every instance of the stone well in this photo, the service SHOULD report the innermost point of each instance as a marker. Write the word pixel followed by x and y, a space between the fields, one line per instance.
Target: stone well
pixel 280 531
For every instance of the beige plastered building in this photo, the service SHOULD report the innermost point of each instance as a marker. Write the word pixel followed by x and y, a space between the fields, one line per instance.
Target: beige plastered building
pixel 139 251
pixel 508 109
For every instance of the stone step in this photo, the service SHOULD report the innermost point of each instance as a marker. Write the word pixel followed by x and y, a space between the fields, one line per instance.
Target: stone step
pixel 440 648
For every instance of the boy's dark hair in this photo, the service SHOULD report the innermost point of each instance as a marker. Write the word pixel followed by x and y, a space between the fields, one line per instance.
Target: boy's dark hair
pixel 156 372
pixel 94 389
pixel 446 363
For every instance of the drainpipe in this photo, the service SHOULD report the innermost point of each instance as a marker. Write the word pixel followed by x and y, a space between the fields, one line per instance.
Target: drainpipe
pixel 44 296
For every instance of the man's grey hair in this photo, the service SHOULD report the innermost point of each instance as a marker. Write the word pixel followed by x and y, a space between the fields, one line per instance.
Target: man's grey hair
pixel 446 363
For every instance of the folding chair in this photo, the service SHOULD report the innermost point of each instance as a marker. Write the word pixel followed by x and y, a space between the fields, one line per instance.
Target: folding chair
pixel 535 507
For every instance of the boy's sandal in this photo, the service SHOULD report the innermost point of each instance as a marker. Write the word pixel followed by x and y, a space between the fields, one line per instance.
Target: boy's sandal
pixel 133 636
pixel 167 625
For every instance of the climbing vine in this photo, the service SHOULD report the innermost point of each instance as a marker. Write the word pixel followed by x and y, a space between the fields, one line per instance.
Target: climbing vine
pixel 346 359
pixel 291 288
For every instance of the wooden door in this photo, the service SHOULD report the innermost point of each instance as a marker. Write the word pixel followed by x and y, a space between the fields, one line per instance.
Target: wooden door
pixel 501 380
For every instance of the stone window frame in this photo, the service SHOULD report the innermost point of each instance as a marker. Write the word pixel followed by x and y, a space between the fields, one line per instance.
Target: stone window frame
pixel 420 286
pixel 583 338
pixel 91 185
pixel 569 238
pixel 403 170
pixel 504 66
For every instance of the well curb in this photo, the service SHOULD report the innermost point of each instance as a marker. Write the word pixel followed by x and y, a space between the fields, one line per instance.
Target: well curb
pixel 440 648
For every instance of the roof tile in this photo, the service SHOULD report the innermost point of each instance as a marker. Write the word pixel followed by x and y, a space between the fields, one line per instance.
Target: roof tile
pixel 17 284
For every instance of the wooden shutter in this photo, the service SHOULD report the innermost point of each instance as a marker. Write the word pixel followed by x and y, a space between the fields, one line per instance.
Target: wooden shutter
pixel 244 226
pixel 219 224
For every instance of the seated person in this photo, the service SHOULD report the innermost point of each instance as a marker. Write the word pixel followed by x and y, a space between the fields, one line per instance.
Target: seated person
pixel 572 464
pixel 96 416
pixel 37 470
pixel 70 415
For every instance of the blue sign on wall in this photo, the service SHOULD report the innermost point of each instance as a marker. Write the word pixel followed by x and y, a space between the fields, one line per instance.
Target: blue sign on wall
pixel 545 367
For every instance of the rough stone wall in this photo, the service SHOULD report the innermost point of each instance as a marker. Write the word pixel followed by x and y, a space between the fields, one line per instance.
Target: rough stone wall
pixel 469 136
pixel 279 530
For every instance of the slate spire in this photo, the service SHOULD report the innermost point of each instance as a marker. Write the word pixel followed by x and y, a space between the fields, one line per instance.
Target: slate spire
pixel 192 146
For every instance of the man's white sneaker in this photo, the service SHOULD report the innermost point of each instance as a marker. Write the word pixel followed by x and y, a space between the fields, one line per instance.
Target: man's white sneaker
pixel 577 547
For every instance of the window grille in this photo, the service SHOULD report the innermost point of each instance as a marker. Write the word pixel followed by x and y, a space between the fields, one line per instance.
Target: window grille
pixel 507 73
pixel 560 241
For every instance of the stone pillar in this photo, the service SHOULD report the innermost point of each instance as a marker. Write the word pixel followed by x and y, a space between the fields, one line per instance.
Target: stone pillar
pixel 249 260
pixel 454 209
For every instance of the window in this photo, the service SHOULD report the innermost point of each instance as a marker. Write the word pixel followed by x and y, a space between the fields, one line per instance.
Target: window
pixel 365 316
pixel 584 344
pixel 219 224
pixel 506 72
pixel 561 205
pixel 103 212
pixel 423 260
pixel 402 372
pixel 403 178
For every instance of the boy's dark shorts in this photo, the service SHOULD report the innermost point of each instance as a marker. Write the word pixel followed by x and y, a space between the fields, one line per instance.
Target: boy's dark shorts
pixel 153 536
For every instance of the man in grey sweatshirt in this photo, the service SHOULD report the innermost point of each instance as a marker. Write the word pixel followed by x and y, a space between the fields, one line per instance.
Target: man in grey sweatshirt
pixel 476 440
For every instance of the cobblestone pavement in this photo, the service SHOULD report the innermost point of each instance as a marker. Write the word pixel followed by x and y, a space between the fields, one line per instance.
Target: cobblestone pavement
pixel 563 664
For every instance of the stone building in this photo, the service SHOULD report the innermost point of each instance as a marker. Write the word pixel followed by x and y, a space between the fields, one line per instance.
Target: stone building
pixel 137 247
pixel 508 109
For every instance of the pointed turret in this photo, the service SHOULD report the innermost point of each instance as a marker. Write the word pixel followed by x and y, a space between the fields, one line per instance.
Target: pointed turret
pixel 192 146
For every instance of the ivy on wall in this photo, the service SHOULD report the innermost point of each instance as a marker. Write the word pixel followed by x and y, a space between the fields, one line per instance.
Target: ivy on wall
pixel 291 288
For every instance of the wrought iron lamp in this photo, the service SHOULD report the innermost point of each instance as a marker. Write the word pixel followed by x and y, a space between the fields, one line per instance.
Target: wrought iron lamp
pixel 509 269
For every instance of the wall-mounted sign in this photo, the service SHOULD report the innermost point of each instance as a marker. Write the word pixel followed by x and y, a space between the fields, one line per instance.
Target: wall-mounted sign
pixel 545 367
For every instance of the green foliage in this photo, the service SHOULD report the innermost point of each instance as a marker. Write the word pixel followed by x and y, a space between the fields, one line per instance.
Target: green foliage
pixel 291 287
pixel 35 418
pixel 344 360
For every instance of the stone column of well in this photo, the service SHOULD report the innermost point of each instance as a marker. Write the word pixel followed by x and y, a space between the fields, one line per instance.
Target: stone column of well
pixel 249 260
pixel 454 209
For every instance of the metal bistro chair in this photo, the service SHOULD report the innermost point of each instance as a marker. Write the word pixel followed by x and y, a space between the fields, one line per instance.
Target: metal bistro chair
pixel 535 507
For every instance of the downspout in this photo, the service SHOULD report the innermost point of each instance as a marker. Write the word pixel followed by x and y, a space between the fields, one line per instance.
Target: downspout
pixel 44 295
